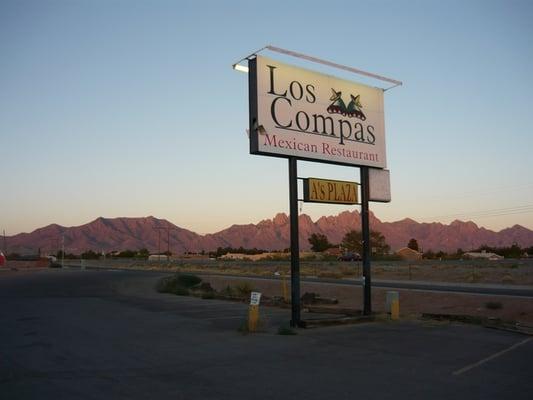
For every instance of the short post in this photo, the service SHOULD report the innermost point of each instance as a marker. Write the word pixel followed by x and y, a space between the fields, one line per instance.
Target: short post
pixel 253 311
pixel 392 304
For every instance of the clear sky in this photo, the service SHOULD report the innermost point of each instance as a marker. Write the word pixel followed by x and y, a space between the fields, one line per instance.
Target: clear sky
pixel 131 108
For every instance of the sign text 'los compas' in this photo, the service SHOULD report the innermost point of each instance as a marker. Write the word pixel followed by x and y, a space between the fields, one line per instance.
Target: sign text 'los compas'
pixel 300 120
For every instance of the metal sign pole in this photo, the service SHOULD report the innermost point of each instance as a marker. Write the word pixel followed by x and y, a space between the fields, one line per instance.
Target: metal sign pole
pixel 295 245
pixel 365 194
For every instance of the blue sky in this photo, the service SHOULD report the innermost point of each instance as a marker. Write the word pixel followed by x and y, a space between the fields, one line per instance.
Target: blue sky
pixel 131 108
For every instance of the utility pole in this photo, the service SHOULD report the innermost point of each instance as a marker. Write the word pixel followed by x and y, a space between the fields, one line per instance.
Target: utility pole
pixel 168 229
pixel 159 248
pixel 168 246
pixel 63 250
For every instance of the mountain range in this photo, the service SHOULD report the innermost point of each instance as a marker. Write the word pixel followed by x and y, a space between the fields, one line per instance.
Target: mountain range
pixel 108 234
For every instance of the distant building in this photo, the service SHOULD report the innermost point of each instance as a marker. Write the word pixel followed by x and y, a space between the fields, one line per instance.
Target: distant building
pixel 263 256
pixel 406 253
pixel 482 255
pixel 334 251
pixel 158 257
pixel 236 256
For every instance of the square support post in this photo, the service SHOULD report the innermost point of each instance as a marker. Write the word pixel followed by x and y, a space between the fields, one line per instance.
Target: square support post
pixel 365 222
pixel 295 245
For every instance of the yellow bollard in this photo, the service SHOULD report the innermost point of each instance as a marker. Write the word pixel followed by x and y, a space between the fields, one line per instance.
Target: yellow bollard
pixel 395 309
pixel 253 311
pixel 253 318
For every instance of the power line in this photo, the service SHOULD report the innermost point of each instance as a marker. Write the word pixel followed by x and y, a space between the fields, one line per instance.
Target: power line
pixel 524 209
pixel 482 193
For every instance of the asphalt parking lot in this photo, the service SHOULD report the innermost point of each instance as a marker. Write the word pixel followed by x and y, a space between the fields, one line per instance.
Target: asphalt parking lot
pixel 107 334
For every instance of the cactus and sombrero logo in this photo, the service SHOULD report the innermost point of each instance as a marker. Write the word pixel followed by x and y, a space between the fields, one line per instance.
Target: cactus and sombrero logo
pixel 353 109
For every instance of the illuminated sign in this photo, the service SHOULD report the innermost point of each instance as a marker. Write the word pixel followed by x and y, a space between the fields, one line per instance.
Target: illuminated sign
pixel 312 116
pixel 330 191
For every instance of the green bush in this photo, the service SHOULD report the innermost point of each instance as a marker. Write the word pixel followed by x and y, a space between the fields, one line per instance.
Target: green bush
pixel 227 291
pixel 188 280
pixel 167 284
pixel 178 284
pixel 181 291
pixel 243 289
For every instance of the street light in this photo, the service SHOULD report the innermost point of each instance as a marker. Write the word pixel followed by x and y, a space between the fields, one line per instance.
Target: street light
pixel 241 68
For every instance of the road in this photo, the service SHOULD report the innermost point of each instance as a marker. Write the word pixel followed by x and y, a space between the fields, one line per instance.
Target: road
pixel 468 288
pixel 490 289
pixel 71 334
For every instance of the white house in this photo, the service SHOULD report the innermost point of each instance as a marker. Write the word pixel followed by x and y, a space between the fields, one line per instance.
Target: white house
pixel 483 255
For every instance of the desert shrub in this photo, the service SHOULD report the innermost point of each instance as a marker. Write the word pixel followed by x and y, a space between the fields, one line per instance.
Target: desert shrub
pixel 167 284
pixel 177 284
pixel 277 257
pixel 188 280
pixel 228 291
pixel 243 289
pixel 181 291
pixel 493 305
pixel 206 287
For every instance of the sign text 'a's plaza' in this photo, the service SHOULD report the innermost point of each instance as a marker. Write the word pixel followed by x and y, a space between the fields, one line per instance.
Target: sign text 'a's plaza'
pixel 330 191
pixel 297 112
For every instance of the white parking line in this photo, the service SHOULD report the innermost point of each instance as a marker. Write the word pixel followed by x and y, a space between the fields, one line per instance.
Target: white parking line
pixel 477 364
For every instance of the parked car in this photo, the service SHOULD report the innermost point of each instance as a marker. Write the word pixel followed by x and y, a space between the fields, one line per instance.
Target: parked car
pixel 2 259
pixel 350 256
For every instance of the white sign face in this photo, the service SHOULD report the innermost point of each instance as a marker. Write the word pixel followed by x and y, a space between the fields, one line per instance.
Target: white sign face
pixel 379 185
pixel 255 297
pixel 305 114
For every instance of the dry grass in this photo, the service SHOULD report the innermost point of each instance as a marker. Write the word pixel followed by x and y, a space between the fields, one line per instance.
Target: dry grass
pixel 518 272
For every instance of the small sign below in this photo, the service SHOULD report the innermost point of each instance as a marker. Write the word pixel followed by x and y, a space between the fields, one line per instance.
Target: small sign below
pixel 330 191
pixel 255 297
pixel 379 185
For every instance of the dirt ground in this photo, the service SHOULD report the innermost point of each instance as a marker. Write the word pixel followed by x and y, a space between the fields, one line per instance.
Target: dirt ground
pixel 412 302
pixel 509 272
